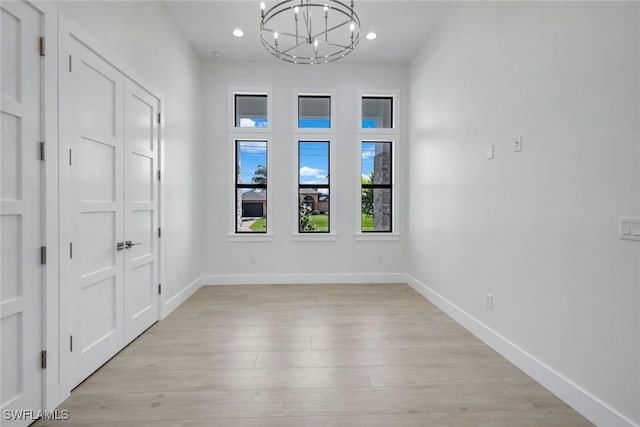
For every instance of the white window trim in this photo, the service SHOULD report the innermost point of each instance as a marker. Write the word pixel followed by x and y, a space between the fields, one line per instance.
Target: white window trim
pixel 395 94
pixel 296 236
pixel 232 235
pixel 231 120
pixel 314 92
pixel 394 235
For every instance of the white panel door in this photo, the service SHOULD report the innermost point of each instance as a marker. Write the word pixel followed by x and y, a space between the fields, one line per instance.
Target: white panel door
pixel 20 214
pixel 140 206
pixel 91 127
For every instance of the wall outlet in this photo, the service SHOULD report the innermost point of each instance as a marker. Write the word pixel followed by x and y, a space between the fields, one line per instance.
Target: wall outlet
pixel 252 259
pixel 379 259
pixel 517 144
pixel 490 152
pixel 488 301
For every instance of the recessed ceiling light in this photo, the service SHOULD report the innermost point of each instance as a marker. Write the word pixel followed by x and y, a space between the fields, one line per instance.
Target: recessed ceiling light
pixel 238 32
pixel 372 36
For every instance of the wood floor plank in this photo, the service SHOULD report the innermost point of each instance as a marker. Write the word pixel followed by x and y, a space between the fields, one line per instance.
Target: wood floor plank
pixel 351 355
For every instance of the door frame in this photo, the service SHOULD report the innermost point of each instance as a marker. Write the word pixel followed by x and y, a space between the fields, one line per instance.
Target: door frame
pixel 58 327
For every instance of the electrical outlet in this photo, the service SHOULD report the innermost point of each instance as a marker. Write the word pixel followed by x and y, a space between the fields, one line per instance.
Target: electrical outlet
pixel 517 144
pixel 252 259
pixel 379 259
pixel 488 301
pixel 490 152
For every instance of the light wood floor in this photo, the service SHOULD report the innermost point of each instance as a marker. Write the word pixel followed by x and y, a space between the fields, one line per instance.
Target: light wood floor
pixel 312 355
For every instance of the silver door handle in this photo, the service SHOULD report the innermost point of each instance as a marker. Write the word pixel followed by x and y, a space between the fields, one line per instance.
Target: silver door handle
pixel 120 246
pixel 129 244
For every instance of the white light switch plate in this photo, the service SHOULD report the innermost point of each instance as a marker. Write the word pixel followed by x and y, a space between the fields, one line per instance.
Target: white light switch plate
pixel 629 228
pixel 490 152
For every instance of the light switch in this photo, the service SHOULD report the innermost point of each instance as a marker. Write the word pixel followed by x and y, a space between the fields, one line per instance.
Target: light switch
pixel 629 228
pixel 490 152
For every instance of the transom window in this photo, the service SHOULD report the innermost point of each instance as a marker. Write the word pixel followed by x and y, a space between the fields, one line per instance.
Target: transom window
pixel 314 111
pixel 251 186
pixel 376 191
pixel 251 111
pixel 377 112
pixel 313 187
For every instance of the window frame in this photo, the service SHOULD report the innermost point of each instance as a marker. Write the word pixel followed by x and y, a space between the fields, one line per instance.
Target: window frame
pixel 234 234
pixel 389 186
pixel 298 92
pixel 331 234
pixel 395 108
pixel 256 91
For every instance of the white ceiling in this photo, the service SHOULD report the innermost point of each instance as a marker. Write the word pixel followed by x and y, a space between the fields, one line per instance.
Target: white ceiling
pixel 402 27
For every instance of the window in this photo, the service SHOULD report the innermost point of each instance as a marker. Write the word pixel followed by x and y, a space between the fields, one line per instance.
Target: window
pixel 377 112
pixel 250 111
pixel 314 111
pixel 251 186
pixel 376 196
pixel 313 187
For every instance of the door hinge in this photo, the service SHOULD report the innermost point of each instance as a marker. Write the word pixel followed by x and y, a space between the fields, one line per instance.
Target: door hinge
pixel 159 175
pixel 41 46
pixel 43 359
pixel 159 289
pixel 42 152
pixel 70 342
pixel 159 232
pixel 71 250
pixel 43 255
pixel 159 118
pixel 70 67
pixel 70 161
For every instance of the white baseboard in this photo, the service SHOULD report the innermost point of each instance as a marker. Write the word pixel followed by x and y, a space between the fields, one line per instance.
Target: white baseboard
pixel 580 399
pixel 289 279
pixel 174 302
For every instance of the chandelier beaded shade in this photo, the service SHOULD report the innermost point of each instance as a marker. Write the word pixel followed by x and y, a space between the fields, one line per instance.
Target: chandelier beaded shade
pixel 309 31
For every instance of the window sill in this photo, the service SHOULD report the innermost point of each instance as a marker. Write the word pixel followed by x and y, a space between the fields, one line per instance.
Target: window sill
pixel 378 237
pixel 311 237
pixel 267 237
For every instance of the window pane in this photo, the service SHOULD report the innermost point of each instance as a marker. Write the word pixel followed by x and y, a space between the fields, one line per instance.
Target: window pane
pixel 313 215
pixel 313 162
pixel 314 111
pixel 376 163
pixel 376 197
pixel 251 111
pixel 313 190
pixel 377 112
pixel 251 167
pixel 376 209
pixel 252 210
pixel 251 187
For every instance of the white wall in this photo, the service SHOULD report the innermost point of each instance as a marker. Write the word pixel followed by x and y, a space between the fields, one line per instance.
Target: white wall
pixel 537 229
pixel 343 259
pixel 148 41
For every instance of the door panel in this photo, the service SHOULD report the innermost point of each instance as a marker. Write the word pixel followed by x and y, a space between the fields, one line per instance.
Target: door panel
pixel 141 203
pixel 20 213
pixel 91 115
pixel 109 194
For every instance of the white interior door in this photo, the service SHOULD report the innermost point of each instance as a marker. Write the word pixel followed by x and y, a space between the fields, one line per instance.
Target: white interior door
pixel 91 128
pixel 20 214
pixel 140 205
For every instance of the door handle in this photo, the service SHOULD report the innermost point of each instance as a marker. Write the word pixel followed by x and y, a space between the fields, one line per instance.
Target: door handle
pixel 129 244
pixel 120 246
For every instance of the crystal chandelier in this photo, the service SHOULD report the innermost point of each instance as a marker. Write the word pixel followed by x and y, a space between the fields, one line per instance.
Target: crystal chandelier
pixel 309 31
